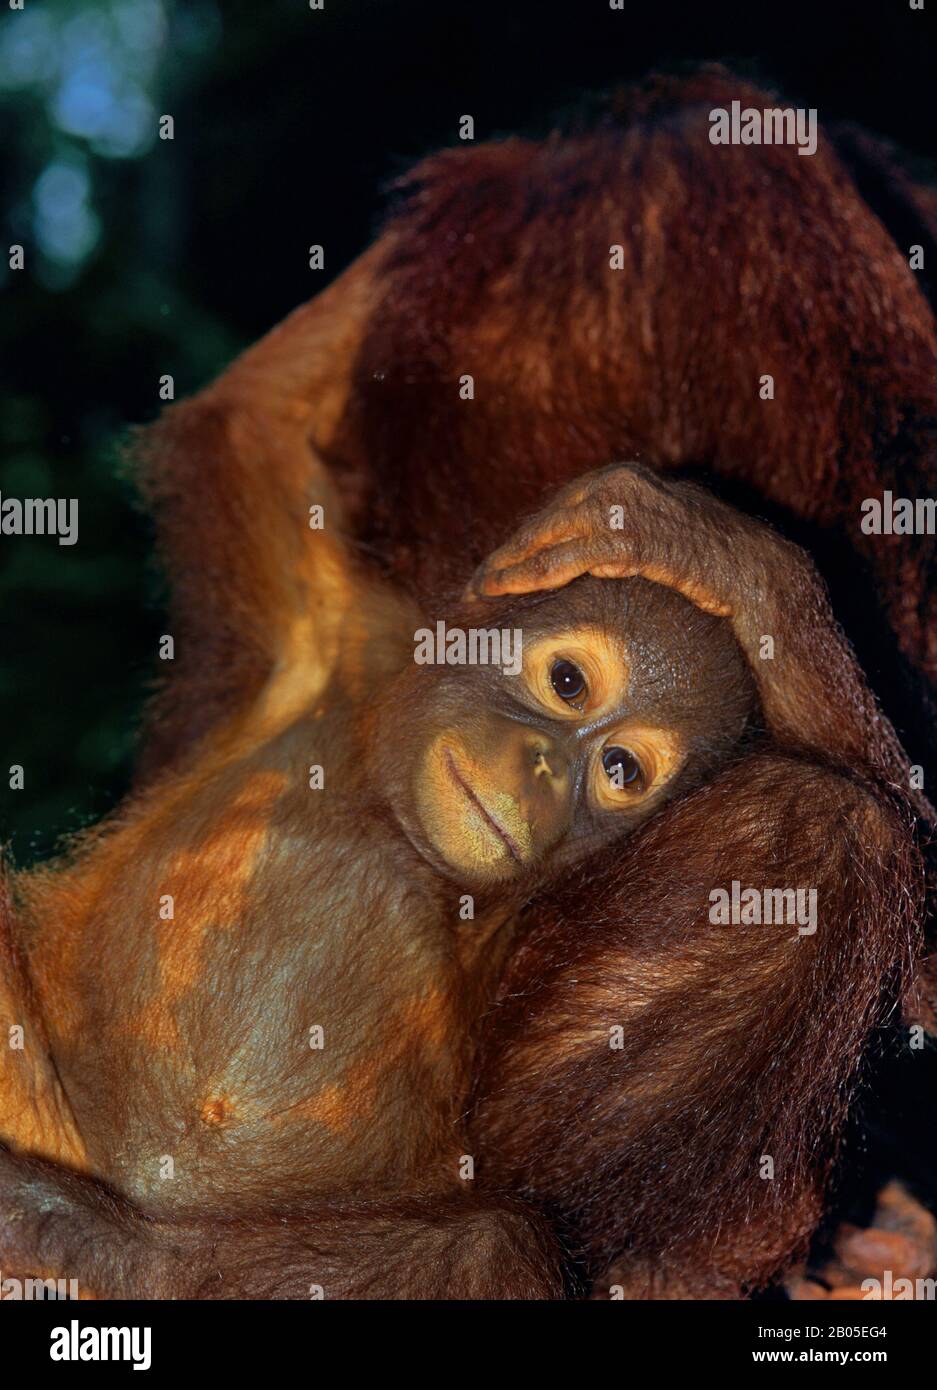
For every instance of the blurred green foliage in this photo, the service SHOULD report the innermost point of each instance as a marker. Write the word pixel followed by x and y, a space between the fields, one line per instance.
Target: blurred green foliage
pixel 87 329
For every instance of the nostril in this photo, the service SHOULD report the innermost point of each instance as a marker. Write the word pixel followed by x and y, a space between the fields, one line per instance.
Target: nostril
pixel 542 760
pixel 541 764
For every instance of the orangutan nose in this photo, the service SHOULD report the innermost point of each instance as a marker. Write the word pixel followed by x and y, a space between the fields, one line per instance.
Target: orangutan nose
pixel 548 761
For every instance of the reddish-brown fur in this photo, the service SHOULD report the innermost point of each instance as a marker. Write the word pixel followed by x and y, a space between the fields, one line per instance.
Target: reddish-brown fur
pixel 736 1044
pixel 739 262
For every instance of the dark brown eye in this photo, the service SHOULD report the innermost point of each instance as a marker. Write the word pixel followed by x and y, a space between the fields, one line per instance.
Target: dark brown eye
pixel 567 680
pixel 622 766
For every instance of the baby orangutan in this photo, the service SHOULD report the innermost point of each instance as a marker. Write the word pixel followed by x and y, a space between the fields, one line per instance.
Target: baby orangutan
pixel 266 1082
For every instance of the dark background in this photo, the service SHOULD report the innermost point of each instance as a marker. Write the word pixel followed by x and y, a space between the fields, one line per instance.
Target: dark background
pixel 146 257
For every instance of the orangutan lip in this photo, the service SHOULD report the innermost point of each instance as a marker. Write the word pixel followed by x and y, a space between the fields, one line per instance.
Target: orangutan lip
pixel 489 819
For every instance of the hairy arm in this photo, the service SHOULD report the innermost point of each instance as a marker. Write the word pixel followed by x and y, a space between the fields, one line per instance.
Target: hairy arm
pixel 672 1086
pixel 259 579
pixel 700 1143
pixel 56 1224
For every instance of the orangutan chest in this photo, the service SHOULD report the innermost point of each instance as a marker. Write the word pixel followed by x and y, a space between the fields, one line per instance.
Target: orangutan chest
pixel 310 1039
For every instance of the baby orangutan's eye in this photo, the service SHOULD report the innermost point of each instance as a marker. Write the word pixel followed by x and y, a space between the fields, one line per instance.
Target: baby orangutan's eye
pixel 622 767
pixel 567 680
